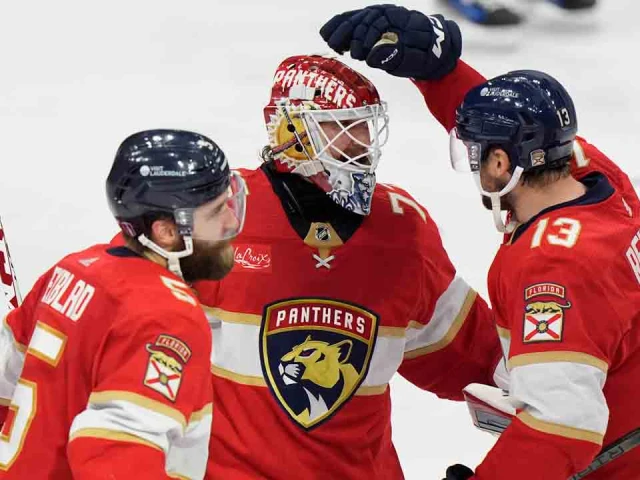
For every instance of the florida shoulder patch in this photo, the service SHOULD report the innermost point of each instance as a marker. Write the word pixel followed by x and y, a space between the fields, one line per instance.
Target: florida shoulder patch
pixel 315 353
pixel 167 358
pixel 545 304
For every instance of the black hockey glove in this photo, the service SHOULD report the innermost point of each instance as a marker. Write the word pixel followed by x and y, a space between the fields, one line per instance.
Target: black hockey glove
pixel 458 472
pixel 404 43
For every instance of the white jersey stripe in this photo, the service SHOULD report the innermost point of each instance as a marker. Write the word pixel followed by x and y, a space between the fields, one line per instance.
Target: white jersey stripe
pixel 236 350
pixel 132 419
pixel 449 314
pixel 193 445
pixel 47 343
pixel 122 416
pixel 562 393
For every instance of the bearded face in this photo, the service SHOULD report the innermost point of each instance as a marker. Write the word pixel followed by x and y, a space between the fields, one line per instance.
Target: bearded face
pixel 209 261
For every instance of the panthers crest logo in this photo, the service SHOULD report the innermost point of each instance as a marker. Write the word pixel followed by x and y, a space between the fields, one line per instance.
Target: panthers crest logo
pixel 315 354
pixel 544 318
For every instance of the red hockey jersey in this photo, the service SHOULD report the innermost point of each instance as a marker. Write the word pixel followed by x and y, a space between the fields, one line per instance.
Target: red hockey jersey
pixel 565 289
pixel 566 295
pixel 106 368
pixel 308 333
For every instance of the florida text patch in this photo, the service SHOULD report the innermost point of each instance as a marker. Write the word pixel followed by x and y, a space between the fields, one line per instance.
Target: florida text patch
pixel 545 304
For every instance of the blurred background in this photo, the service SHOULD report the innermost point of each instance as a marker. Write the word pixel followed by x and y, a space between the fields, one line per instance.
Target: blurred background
pixel 78 77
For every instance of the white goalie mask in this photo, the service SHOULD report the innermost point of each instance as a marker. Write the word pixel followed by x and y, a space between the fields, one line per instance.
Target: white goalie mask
pixel 326 123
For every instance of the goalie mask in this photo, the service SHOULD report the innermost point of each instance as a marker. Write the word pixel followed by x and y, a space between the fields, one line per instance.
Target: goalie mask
pixel 326 122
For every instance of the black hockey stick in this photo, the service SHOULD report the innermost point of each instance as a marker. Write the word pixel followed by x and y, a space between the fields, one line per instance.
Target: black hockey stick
pixel 611 452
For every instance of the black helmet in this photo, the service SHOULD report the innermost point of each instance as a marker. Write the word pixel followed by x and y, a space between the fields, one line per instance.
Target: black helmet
pixel 159 172
pixel 527 113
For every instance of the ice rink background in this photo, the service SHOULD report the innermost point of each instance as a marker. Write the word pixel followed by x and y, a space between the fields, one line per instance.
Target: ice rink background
pixel 78 77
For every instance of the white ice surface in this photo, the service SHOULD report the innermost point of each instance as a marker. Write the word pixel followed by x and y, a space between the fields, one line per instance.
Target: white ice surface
pixel 76 77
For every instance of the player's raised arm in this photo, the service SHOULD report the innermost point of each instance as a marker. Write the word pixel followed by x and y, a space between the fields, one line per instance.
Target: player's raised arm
pixel 407 43
pixel 426 49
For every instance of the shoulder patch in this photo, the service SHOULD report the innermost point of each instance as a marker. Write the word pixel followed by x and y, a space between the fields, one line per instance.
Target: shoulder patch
pixel 544 312
pixel 164 371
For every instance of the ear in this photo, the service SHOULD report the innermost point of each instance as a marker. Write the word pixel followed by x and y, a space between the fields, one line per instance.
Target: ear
pixel 164 233
pixel 344 349
pixel 498 163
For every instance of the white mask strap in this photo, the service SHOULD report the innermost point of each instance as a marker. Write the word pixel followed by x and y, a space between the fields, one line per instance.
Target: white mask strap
pixel 173 258
pixel 495 200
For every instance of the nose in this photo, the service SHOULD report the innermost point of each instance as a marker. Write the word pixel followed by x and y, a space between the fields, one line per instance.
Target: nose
pixel 232 222
pixel 361 133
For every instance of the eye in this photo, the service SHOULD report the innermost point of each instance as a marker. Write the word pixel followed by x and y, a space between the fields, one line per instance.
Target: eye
pixel 216 211
pixel 307 353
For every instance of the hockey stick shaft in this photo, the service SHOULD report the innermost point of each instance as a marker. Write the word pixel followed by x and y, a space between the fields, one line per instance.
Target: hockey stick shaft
pixel 8 280
pixel 610 453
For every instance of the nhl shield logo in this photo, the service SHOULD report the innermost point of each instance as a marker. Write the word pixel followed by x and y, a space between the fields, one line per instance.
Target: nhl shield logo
pixel 315 353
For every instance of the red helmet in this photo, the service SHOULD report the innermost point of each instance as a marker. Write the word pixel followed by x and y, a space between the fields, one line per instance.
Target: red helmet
pixel 326 122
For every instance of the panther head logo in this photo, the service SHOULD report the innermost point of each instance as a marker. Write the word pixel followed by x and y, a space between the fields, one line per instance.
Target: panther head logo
pixel 321 369
pixel 315 354
pixel 164 359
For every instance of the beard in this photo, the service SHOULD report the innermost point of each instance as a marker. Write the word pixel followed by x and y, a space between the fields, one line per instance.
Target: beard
pixel 505 200
pixel 505 204
pixel 209 261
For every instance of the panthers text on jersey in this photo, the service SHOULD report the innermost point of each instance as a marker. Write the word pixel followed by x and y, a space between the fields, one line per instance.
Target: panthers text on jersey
pixel 105 369
pixel 308 331
pixel 565 289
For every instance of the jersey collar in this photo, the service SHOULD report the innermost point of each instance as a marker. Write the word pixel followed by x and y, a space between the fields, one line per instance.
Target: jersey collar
pixel 598 190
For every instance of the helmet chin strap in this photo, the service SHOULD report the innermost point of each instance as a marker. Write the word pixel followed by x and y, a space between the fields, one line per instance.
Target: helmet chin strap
pixel 496 210
pixel 173 258
pixel 496 207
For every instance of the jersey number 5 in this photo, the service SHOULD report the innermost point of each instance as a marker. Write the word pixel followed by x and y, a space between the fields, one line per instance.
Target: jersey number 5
pixel 47 344
pixel 566 235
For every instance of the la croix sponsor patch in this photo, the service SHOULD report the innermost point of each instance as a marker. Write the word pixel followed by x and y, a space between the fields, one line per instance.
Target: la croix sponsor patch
pixel 253 258
pixel 545 304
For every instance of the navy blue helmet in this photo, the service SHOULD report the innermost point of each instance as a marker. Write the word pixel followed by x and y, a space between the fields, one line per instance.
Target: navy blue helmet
pixel 156 172
pixel 527 113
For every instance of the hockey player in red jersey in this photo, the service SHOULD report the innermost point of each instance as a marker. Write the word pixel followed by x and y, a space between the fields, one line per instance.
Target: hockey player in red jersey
pixel 105 366
pixel 339 283
pixel 565 285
